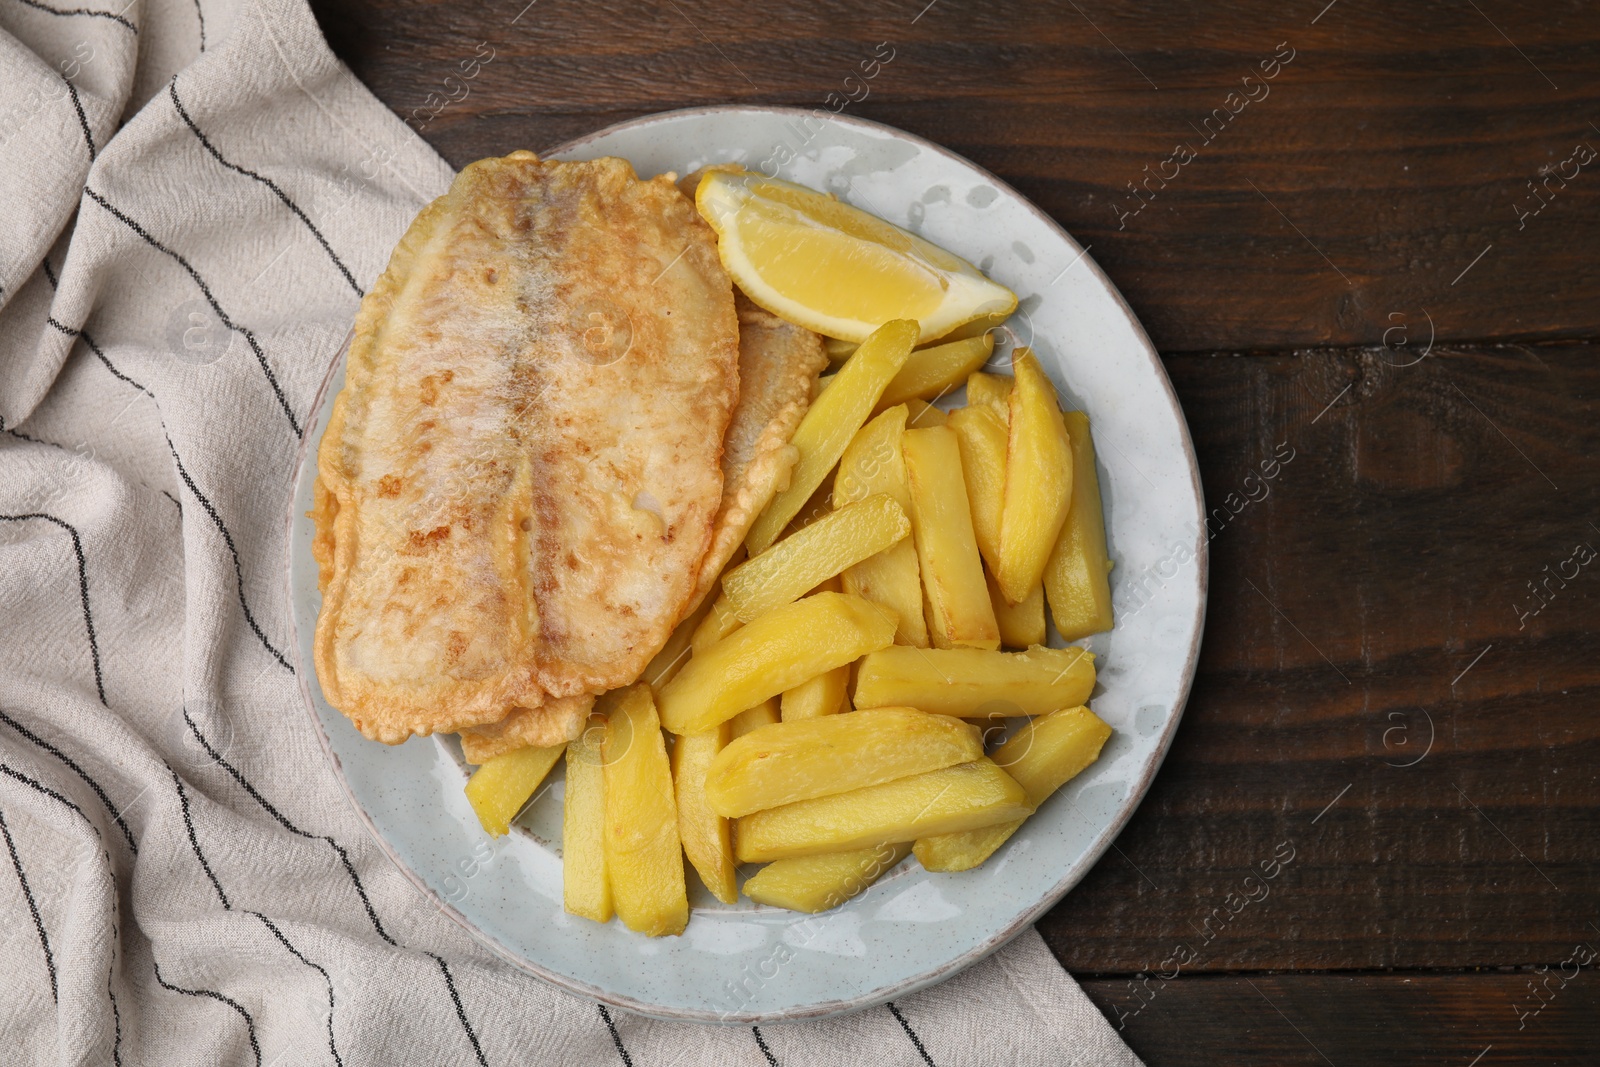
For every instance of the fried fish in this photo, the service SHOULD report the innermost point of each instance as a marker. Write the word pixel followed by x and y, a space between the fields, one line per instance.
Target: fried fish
pixel 523 473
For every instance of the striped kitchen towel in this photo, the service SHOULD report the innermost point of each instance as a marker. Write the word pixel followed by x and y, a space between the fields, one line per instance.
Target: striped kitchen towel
pixel 195 195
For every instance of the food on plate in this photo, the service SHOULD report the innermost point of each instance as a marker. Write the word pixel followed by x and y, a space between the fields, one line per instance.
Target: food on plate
pixel 826 694
pixel 1078 574
pixel 974 682
pixel 963 797
pixel 1042 756
pixel 959 612
pixel 585 886
pixel 1021 624
pixel 873 463
pixel 1038 479
pixel 818 883
pixel 834 268
pixel 552 723
pixel 792 761
pixel 932 372
pixel 523 469
pixel 797 564
pixel 981 434
pixel 644 855
pixel 578 495
pixel 832 421
pixel 765 713
pixel 500 788
pixel 778 651
pixel 707 840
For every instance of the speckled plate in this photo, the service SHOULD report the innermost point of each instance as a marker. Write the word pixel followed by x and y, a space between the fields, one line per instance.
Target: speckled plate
pixel 747 963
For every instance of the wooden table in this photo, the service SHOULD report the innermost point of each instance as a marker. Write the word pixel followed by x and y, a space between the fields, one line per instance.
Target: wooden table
pixel 1386 256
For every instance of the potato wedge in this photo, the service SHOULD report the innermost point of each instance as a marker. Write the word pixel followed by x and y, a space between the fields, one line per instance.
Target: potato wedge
pixel 832 421
pixel 931 372
pixel 796 761
pixel 778 651
pixel 959 612
pixel 794 566
pixel 719 621
pixel 873 463
pixel 1038 479
pixel 975 683
pixel 644 855
pixel 1022 623
pixel 965 797
pixel 1077 575
pixel 499 789
pixel 707 840
pixel 981 432
pixel 1042 756
pixel 586 890
pixel 765 713
pixel 993 389
pixel 920 415
pixel 819 883
pixel 826 694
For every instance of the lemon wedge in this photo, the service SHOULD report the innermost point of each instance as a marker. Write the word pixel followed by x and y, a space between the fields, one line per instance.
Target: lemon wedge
pixel 835 269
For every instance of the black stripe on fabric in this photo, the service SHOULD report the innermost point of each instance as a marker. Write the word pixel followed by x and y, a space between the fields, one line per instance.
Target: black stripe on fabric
pixel 250 1024
pixel 194 842
pixel 83 591
pixel 344 857
pixel 201 15
pixel 50 275
pixel 233 550
pixel 284 941
pixel 70 332
pixel 83 120
pixel 172 91
pixel 461 1012
pixel 616 1038
pixel 772 1061
pixel 912 1034
pixel 127 833
pixel 80 11
pixel 40 787
pixel 194 275
pixel 38 923
pixel 116 1020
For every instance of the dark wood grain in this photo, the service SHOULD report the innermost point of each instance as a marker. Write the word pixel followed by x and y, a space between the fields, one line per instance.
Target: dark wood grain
pixel 1414 1020
pixel 1393 149
pixel 1392 550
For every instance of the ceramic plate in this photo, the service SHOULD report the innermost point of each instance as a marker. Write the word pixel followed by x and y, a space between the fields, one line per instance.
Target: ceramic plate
pixel 747 963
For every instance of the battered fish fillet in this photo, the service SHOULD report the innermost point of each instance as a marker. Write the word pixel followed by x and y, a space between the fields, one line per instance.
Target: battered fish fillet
pixel 778 362
pixel 523 472
pixel 556 721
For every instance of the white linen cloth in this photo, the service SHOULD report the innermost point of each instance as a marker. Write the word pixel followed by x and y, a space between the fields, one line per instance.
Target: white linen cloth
pixel 194 194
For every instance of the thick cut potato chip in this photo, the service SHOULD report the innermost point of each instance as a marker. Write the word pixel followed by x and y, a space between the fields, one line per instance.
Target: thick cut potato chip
pixel 1077 576
pixel 778 651
pixel 1022 623
pixel 964 797
pixel 707 840
pixel 932 372
pixel 959 612
pixel 993 389
pixel 644 856
pixel 976 683
pixel 826 694
pixel 499 789
pixel 795 761
pixel 750 719
pixel 792 567
pixel 1042 756
pixel 873 463
pixel 586 890
pixel 981 433
pixel 1038 480
pixel 719 621
pixel 818 883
